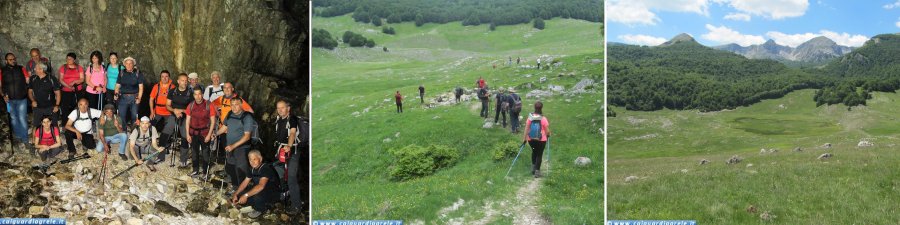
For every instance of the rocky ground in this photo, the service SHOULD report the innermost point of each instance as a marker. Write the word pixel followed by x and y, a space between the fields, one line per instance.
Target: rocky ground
pixel 74 191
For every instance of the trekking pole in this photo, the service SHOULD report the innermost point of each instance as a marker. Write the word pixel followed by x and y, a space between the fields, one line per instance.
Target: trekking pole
pixel 548 154
pixel 103 168
pixel 9 135
pixel 517 158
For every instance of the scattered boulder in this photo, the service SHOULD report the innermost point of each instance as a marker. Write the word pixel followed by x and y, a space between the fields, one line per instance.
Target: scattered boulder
pixel 767 216
pixel 556 88
pixel 488 125
pixel 386 140
pixel 704 162
pixel 767 151
pixel 826 145
pixel 596 61
pixel 134 221
pixel 865 143
pixel 749 165
pixel 751 209
pixel 629 179
pixel 542 79
pixel 825 156
pixel 734 160
pixel 582 161
pixel 165 207
pixel 798 149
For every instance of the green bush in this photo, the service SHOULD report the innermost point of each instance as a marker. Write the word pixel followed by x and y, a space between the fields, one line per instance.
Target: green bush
pixel 416 161
pixel 506 150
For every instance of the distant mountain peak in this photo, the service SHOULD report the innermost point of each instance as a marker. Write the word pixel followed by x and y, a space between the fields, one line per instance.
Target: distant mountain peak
pixel 680 38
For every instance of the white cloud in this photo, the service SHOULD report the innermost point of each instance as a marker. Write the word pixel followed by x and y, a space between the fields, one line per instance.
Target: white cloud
pixel 628 12
pixel 772 9
pixel 892 5
pixel 726 35
pixel 640 12
pixel 898 22
pixel 641 39
pixel 794 40
pixel 738 16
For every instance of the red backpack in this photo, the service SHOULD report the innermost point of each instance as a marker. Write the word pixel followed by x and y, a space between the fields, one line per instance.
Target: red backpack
pixel 200 124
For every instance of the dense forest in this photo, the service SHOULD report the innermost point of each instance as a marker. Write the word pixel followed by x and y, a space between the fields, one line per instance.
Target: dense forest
pixel 687 75
pixel 469 12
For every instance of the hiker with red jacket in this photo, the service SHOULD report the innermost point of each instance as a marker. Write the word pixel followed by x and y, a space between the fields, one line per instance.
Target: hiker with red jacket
pixel 200 118
pixel 36 59
pixel 537 130
pixel 71 76
pixel 399 100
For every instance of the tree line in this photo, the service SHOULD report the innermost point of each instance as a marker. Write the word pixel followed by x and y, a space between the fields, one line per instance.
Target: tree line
pixel 688 75
pixel 469 12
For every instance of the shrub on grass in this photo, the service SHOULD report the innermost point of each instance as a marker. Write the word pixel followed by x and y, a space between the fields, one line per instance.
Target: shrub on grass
pixel 415 161
pixel 505 150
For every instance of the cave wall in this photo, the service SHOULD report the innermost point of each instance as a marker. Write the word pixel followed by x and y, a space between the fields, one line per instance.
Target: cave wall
pixel 261 46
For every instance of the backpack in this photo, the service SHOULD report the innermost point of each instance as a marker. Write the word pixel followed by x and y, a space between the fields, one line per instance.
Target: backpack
pixel 482 94
pixel 534 131
pixel 52 136
pixel 31 65
pixel 254 130
pixel 156 97
pixel 51 96
pixel 209 89
pixel 150 133
pixel 504 104
pixel 77 87
pixel 191 109
pixel 93 122
pixel 517 103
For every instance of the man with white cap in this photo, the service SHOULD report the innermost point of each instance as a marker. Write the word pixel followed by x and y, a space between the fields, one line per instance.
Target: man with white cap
pixel 129 89
pixel 144 139
pixel 194 82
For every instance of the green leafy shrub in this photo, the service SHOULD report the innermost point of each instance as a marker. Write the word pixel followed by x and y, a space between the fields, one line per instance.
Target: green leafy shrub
pixel 505 150
pixel 415 161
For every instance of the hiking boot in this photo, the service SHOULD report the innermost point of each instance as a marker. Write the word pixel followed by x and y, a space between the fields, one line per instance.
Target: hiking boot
pixel 254 214
pixel 537 174
pixel 123 157
pixel 151 167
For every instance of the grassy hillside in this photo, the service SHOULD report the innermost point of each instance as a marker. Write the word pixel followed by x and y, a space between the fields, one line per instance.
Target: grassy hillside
pixel 661 151
pixel 354 118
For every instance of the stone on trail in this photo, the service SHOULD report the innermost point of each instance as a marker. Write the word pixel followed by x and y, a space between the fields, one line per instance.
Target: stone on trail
pixel 865 143
pixel 386 140
pixel 165 207
pixel 134 221
pixel 826 145
pixel 629 179
pixel 488 125
pixel 704 162
pixel 734 160
pixel 582 161
pixel 798 149
pixel 825 156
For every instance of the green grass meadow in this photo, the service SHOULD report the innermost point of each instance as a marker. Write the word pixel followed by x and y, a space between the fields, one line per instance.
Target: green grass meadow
pixel 354 114
pixel 858 185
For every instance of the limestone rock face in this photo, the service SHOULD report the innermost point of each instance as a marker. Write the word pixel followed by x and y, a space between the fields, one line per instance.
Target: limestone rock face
pixel 261 46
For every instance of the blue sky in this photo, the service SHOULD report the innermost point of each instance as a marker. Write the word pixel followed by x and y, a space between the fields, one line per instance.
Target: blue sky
pixel 746 22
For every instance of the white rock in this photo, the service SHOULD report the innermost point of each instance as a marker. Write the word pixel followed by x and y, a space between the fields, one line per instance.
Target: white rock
pixel 134 221
pixel 582 161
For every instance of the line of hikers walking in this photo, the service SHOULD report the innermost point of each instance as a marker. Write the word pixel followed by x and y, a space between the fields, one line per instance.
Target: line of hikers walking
pixel 537 127
pixel 98 104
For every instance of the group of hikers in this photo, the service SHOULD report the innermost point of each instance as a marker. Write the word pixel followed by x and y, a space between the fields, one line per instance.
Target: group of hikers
pixel 98 104
pixel 537 127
